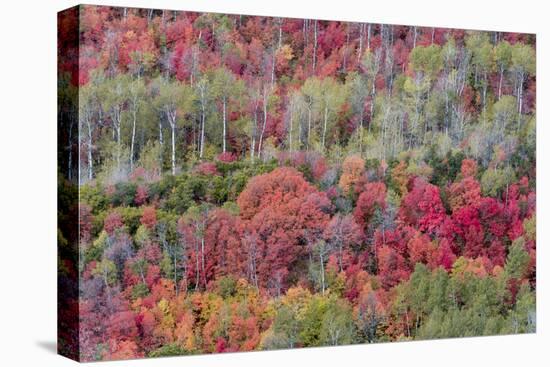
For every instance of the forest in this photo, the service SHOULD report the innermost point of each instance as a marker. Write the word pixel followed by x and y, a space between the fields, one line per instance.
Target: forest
pixel 251 183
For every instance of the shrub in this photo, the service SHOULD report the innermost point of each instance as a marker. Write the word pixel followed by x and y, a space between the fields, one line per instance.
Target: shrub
pixel 124 195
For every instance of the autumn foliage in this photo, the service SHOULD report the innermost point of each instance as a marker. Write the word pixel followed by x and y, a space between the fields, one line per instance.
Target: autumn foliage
pixel 268 183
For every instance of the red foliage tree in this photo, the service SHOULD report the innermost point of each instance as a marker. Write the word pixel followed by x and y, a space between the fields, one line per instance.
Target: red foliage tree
pixel 112 221
pixel 207 169
pixel 468 168
pixel 223 243
pixel 279 186
pixel 142 194
pixel 372 197
pixel 149 217
pixel 392 267
pixel 352 170
pixel 283 214
pixel 122 325
pixel 463 193
pixel 345 236
pixel 227 157
pixel 478 230
pixel 392 254
pixel 444 255
pixel 85 222
pixel 422 207
pixel 420 249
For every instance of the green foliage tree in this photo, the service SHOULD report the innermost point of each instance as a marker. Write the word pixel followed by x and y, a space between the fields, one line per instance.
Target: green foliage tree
pixel 503 58
pixel 107 271
pixel 523 65
pixel 175 100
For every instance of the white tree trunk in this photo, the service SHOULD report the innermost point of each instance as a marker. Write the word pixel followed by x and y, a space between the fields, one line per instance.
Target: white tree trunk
pixel 520 98
pixel 202 132
pixel 368 36
pixel 202 261
pixel 314 45
pixel 308 125
pixel 325 125
pixel 361 122
pixel 118 138
pixel 279 43
pixel 290 132
pixel 224 124
pixel 173 127
pixel 253 143
pixel 361 35
pixel 500 82
pixel 133 140
pixel 90 160
pixel 484 96
pixel 373 93
pixel 161 137
pixel 264 124
pixel 197 268
pixel 322 271
pixel 171 115
pixel 273 69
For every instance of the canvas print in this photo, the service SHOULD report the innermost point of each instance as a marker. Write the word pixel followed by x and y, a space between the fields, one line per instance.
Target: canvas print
pixel 233 183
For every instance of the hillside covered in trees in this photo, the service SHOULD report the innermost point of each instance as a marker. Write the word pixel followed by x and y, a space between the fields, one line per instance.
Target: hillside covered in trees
pixel 250 183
